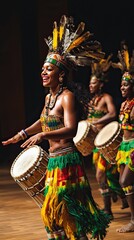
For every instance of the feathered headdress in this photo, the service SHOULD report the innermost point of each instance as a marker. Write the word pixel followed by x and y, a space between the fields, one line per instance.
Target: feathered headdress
pixel 99 69
pixel 126 63
pixel 70 46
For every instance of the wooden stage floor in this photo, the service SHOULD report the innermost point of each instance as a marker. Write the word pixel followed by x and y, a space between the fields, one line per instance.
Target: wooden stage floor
pixel 20 217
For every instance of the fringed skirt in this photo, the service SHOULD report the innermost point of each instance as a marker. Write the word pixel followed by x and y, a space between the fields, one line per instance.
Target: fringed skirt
pixel 110 171
pixel 69 204
pixel 125 154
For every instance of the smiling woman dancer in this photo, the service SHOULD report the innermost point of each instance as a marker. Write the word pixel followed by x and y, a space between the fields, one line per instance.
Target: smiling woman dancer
pixel 125 155
pixel 69 210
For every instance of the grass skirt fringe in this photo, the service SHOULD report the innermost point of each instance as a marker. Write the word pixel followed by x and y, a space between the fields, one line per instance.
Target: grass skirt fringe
pixel 124 154
pixel 68 203
pixel 111 172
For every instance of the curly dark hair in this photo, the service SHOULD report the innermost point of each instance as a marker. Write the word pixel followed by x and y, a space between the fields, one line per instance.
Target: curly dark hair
pixel 82 97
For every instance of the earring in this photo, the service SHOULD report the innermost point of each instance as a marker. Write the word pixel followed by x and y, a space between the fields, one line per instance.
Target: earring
pixel 100 89
pixel 61 79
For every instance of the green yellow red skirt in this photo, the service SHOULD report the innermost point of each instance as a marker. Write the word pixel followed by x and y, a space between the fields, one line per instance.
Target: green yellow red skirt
pixel 124 154
pixel 68 203
pixel 110 171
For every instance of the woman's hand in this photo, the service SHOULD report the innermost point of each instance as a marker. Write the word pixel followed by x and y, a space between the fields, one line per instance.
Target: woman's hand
pixel 36 139
pixel 93 126
pixel 16 138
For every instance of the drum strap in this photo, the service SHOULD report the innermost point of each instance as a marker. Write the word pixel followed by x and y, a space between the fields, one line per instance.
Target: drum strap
pixel 128 190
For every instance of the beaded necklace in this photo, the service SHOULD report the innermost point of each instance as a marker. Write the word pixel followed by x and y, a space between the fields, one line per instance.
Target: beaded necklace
pixel 51 102
pixel 95 100
pixel 127 106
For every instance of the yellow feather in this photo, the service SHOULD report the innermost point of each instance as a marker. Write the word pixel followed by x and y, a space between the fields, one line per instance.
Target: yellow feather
pixel 105 63
pixel 61 31
pixel 78 41
pixel 62 26
pixel 55 36
pixel 126 58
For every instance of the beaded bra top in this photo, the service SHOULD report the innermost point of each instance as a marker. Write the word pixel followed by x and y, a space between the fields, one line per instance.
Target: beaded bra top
pixel 51 122
pixel 124 117
pixel 92 112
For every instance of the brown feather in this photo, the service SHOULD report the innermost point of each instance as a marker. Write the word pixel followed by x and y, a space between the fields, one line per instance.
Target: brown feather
pixel 117 65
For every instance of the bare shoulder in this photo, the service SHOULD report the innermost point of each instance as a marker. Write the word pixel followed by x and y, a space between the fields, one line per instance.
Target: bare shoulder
pixel 67 93
pixel 108 97
pixel 68 98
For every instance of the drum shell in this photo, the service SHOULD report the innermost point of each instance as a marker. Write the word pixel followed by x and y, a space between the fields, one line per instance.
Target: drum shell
pixel 86 144
pixel 33 180
pixel 110 148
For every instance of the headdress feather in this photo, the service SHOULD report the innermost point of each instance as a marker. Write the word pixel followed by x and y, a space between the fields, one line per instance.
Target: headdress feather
pixel 73 45
pixel 100 68
pixel 63 22
pixel 125 62
pixel 132 63
pixel 79 30
pixel 78 41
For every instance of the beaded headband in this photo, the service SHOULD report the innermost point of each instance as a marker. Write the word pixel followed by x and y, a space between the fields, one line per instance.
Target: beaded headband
pixel 58 61
pixel 126 77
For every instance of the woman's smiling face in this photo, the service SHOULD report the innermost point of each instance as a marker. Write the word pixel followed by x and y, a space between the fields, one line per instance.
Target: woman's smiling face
pixel 50 75
pixel 126 89
pixel 94 85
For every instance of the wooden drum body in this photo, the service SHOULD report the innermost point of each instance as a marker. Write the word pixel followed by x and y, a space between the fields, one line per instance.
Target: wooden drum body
pixel 28 170
pixel 108 141
pixel 84 139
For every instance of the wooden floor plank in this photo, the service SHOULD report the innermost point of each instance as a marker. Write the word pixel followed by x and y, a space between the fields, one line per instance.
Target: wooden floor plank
pixel 20 217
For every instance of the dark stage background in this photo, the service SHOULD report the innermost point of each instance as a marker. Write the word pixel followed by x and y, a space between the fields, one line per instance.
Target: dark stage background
pixel 23 27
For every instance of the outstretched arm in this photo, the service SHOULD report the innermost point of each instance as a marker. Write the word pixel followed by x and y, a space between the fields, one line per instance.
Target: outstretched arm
pixel 22 135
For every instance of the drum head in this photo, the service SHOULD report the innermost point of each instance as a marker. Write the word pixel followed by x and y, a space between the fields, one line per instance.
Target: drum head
pixel 82 130
pixel 24 161
pixel 106 133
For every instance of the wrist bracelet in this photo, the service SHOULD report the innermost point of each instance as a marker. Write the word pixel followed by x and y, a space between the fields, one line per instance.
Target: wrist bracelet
pixel 23 134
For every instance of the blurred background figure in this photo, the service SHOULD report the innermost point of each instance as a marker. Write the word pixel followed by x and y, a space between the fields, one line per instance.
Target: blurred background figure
pixel 101 111
pixel 125 155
